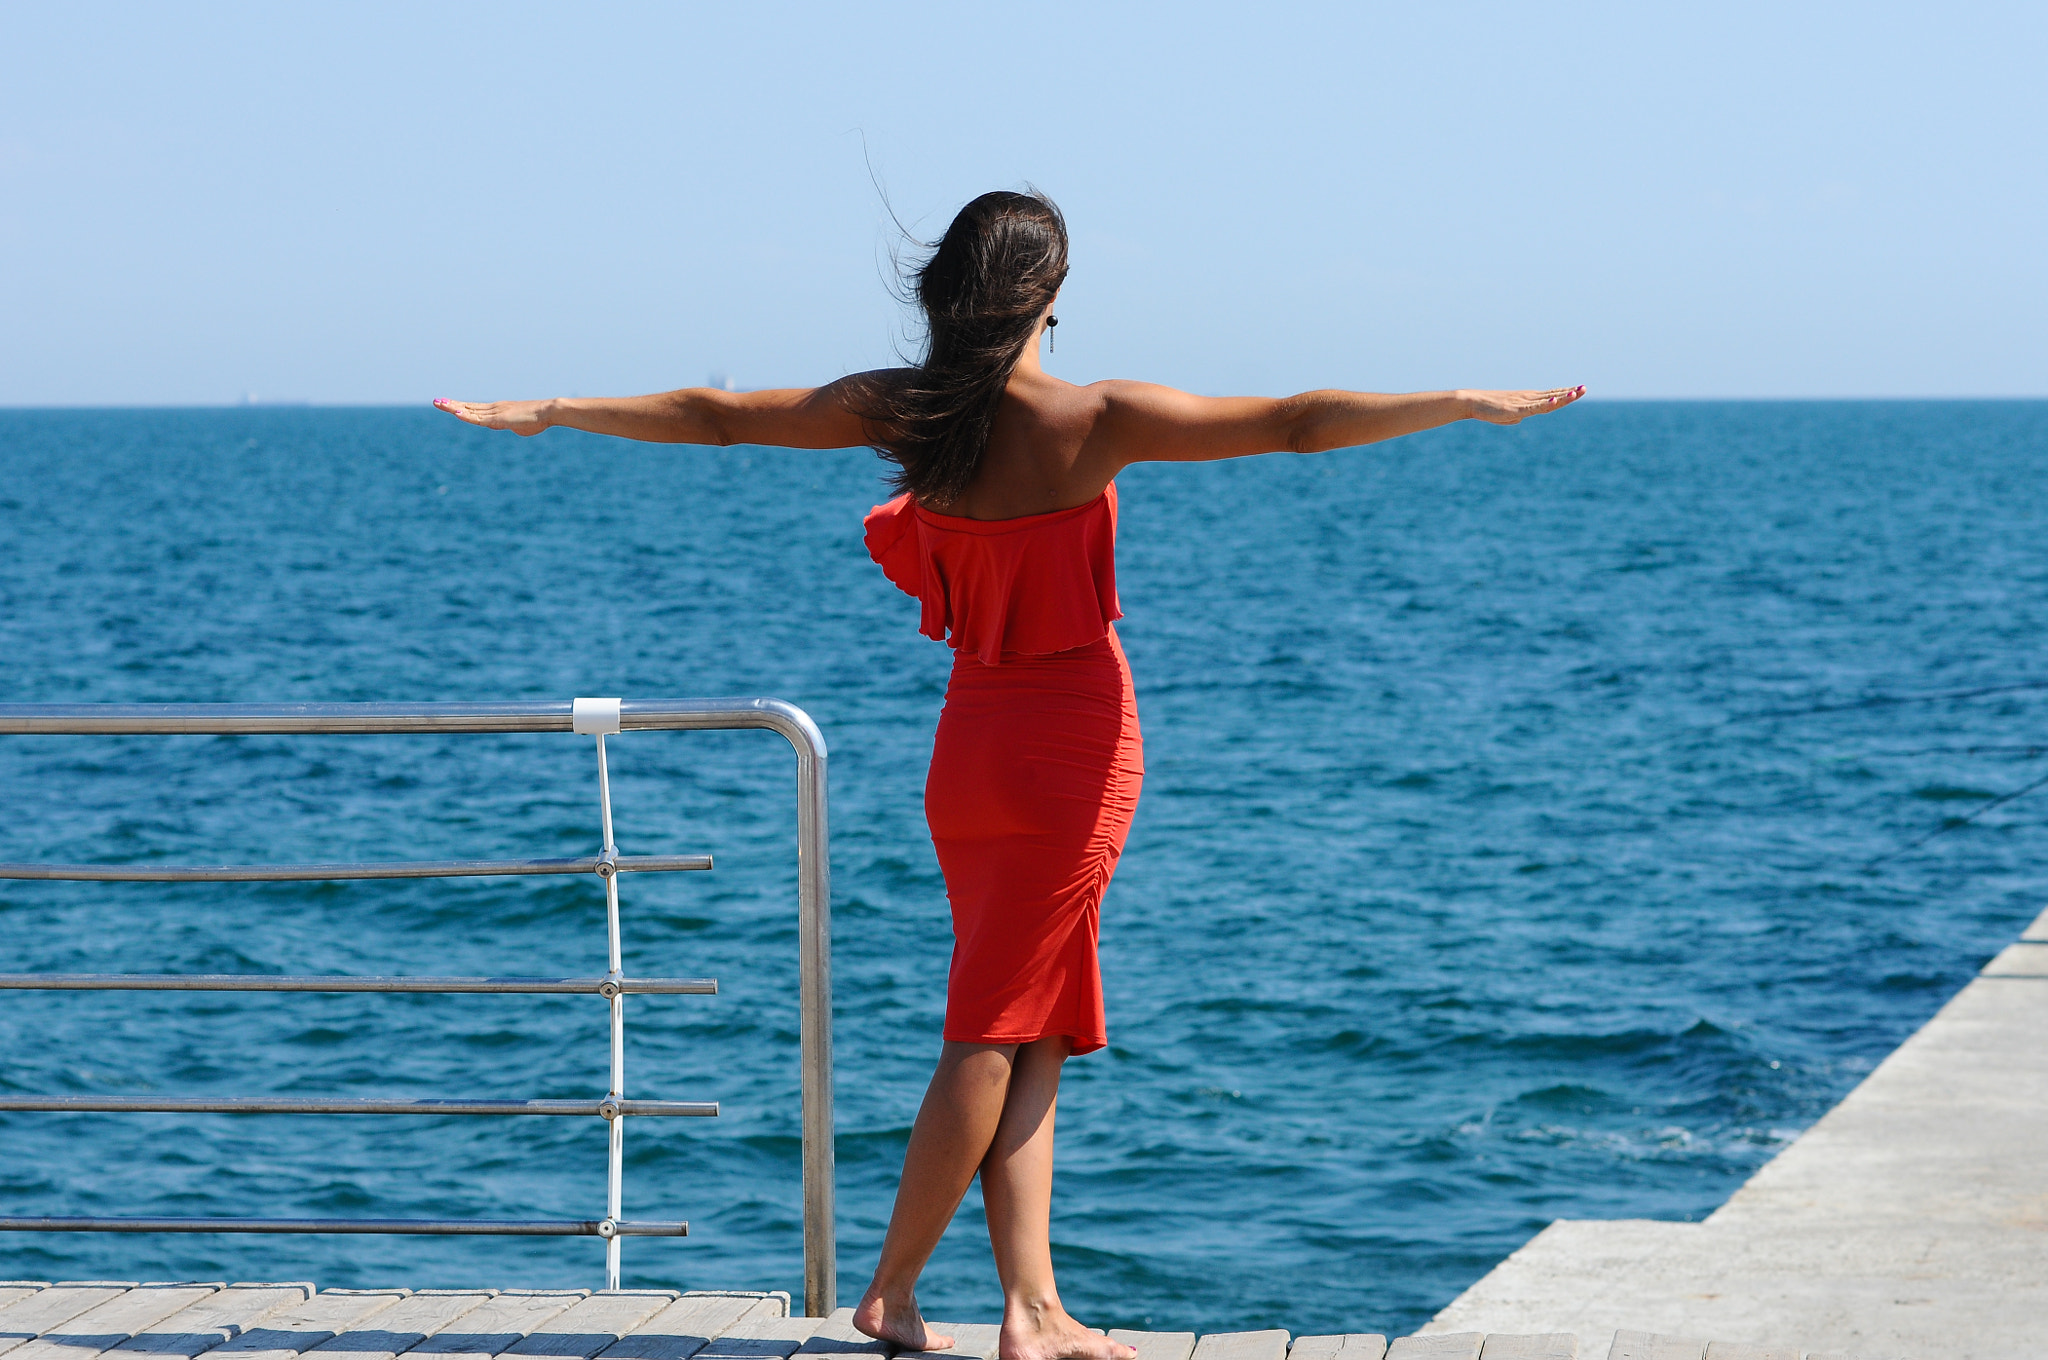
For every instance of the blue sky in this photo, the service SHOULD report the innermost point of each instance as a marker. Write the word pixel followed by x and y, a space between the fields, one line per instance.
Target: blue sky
pixel 384 203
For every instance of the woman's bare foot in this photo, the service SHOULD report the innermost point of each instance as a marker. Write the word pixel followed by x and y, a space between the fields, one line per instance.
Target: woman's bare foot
pixel 1046 1332
pixel 897 1321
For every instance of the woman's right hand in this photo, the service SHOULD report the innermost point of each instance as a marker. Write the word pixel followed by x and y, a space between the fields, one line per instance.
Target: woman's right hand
pixel 520 417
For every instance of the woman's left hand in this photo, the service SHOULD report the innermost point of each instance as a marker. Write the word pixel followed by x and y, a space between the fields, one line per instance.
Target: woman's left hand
pixel 520 417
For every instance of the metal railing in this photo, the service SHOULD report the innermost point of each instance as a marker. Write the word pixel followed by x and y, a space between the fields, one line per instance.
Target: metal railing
pixel 597 717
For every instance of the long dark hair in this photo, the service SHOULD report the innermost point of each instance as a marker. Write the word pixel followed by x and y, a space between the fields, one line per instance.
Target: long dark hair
pixel 982 290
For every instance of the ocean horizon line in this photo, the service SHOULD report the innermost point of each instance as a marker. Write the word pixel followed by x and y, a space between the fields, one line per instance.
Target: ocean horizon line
pixel 1593 396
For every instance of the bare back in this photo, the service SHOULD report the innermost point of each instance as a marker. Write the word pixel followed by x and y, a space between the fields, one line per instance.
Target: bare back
pixel 1039 451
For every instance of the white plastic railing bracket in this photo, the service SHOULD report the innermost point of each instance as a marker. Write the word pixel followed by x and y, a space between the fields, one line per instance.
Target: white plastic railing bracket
pixel 594 717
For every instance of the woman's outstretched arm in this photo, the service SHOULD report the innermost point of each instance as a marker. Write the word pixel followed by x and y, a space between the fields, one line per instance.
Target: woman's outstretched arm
pixel 1141 422
pixel 791 417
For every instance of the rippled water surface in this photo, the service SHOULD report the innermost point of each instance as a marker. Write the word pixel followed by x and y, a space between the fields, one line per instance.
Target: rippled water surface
pixel 1505 851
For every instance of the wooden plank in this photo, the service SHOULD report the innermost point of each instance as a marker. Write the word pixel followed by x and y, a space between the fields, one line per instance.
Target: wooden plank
pixel 14 1291
pixel 1438 1346
pixel 1652 1346
pixel 761 1337
pixel 971 1341
pixel 107 1325
pixel 27 1318
pixel 1342 1346
pixel 499 1323
pixel 1267 1345
pixel 398 1327
pixel 1539 1346
pixel 836 1337
pixel 778 1297
pixel 686 1326
pixel 1157 1345
pixel 1737 1350
pixel 213 1321
pixel 281 1335
pixel 594 1324
pixel 772 1326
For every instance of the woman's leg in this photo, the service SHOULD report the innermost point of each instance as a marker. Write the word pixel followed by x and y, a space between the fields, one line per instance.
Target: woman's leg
pixel 1016 1187
pixel 955 1125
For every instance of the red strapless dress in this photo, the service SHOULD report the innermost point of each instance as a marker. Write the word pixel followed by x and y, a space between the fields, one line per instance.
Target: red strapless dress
pixel 1037 762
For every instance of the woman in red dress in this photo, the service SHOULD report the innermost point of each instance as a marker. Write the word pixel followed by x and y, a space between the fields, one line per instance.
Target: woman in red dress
pixel 1005 532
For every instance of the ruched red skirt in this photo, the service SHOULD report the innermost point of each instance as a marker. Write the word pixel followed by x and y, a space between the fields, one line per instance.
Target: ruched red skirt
pixel 1034 781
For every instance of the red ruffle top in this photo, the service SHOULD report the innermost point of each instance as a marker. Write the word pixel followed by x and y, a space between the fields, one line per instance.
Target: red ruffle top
pixel 993 587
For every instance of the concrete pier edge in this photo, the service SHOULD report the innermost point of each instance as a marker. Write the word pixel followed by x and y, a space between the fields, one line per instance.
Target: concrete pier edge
pixel 1910 1221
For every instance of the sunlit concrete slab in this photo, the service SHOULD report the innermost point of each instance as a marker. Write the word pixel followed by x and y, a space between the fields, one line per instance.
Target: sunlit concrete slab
pixel 1912 1220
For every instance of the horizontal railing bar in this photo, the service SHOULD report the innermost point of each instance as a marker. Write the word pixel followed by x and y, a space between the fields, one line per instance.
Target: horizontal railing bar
pixel 484 1227
pixel 308 873
pixel 670 1109
pixel 539 715
pixel 266 982
pixel 322 1105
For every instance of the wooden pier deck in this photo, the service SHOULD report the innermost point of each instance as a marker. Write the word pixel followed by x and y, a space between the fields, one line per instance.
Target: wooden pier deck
pixel 124 1320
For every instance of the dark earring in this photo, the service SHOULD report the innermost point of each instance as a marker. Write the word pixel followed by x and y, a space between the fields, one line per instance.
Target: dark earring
pixel 1052 336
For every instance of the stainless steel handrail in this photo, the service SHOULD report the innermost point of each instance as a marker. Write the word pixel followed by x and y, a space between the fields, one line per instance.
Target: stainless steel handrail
pixel 279 982
pixel 484 1227
pixel 314 873
pixel 608 1108
pixel 814 924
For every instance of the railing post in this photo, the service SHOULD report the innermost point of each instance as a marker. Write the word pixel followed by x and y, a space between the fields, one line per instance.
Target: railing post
pixel 597 717
pixel 814 924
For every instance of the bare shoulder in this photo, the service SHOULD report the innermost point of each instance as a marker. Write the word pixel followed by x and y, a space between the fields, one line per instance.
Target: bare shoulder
pixel 855 386
pixel 858 394
pixel 1150 422
pixel 840 414
pixel 1125 414
pixel 1126 397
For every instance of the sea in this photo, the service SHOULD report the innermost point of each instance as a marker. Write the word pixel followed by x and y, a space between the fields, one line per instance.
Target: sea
pixel 1539 822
